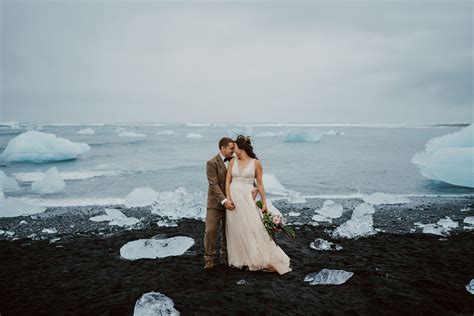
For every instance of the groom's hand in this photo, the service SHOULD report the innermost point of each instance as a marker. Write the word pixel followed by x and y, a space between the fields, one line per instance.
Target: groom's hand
pixel 254 193
pixel 229 205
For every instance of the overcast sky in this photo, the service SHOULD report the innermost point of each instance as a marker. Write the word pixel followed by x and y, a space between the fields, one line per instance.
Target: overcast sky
pixel 296 62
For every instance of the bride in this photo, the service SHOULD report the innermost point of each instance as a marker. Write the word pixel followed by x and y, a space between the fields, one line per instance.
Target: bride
pixel 248 242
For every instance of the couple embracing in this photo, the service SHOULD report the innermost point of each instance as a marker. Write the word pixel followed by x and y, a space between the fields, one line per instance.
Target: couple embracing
pixel 245 242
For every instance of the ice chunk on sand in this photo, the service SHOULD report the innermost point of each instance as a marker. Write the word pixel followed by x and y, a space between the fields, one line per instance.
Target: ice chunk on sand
pixel 384 198
pixel 34 146
pixel 50 183
pixel 355 227
pixel 321 244
pixel 49 230
pixel 363 209
pixel 131 134
pixel 156 248
pixel 180 204
pixel 194 136
pixel 470 287
pixel 12 207
pixel 441 228
pixel 154 303
pixel 305 136
pixel 330 209
pixel 448 223
pixel 115 217
pixel 86 131
pixel 469 220
pixel 293 214
pixel 328 276
pixel 7 183
pixel 139 197
pixel 449 158
pixel 320 218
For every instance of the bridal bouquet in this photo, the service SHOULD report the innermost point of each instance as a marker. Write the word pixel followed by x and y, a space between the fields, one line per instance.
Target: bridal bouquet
pixel 273 224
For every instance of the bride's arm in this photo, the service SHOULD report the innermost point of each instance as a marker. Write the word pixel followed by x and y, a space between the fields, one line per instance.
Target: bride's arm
pixel 228 179
pixel 260 188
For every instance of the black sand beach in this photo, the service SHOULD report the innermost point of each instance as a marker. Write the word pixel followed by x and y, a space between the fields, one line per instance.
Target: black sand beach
pixel 83 274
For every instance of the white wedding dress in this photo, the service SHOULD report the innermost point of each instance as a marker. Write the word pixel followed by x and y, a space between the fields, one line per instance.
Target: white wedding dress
pixel 248 242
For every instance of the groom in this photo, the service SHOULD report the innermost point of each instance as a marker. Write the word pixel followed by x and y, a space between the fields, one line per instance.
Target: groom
pixel 216 170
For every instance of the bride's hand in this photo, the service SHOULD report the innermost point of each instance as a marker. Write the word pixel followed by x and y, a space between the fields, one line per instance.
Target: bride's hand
pixel 264 208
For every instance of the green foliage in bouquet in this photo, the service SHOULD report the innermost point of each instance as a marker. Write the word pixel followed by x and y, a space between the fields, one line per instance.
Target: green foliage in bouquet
pixel 273 224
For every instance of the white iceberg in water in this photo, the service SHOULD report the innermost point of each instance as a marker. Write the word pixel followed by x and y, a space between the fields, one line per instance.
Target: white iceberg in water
pixel 115 217
pixel 141 197
pixel 384 198
pixel 470 287
pixel 34 146
pixel 8 183
pixel 156 248
pixel 131 134
pixel 321 244
pixel 50 183
pixel 449 158
pixel 304 136
pixel 153 304
pixel 12 207
pixel 194 136
pixel 180 204
pixel 86 131
pixel 328 276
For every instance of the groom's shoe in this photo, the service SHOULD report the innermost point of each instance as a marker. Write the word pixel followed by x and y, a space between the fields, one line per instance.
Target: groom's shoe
pixel 209 266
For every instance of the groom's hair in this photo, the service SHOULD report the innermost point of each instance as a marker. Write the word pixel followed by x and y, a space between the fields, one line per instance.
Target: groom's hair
pixel 225 141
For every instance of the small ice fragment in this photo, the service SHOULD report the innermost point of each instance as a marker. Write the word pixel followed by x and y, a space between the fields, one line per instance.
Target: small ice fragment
pixel 154 303
pixel 470 287
pixel 293 214
pixel 23 222
pixel 86 131
pixel 194 136
pixel 241 282
pixel 321 244
pixel 49 230
pixel 469 220
pixel 131 134
pixel 328 276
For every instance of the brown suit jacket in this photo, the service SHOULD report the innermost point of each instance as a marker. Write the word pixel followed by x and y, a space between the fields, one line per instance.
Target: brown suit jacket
pixel 216 174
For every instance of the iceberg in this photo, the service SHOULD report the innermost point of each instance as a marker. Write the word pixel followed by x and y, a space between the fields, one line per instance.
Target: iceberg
pixel 449 158
pixel 321 244
pixel 115 217
pixel 12 207
pixel 378 198
pixel 86 131
pixel 8 183
pixel 304 136
pixel 50 183
pixel 328 276
pixel 139 197
pixel 156 248
pixel 153 304
pixel 38 147
pixel 194 136
pixel 470 287
pixel 131 134
pixel 180 204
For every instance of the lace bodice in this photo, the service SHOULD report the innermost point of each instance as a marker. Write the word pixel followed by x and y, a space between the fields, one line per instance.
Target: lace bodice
pixel 245 174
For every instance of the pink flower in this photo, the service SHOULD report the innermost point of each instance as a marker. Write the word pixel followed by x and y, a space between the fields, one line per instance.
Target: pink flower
pixel 276 220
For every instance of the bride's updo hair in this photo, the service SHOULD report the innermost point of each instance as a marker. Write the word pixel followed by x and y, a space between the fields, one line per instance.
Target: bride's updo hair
pixel 244 143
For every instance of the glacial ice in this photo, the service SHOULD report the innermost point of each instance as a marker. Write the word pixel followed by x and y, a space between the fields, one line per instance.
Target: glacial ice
pixel 274 187
pixel 470 287
pixel 139 197
pixel 49 230
pixel 7 183
pixel 469 220
pixel 115 217
pixel 328 276
pixel 11 124
pixel 86 131
pixel 441 228
pixel 194 136
pixel 449 158
pixel 50 183
pixel 306 136
pixel 360 224
pixel 180 204
pixel 156 248
pixel 363 209
pixel 131 134
pixel 38 147
pixel 12 207
pixel 384 198
pixel 330 209
pixel 269 134
pixel 153 304
pixel 321 244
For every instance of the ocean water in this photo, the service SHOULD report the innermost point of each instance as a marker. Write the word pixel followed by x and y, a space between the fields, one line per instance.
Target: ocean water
pixel 361 159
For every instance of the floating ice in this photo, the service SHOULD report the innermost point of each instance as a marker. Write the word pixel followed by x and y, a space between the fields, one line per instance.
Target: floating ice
pixel 7 183
pixel 11 124
pixel 384 198
pixel 34 146
pixel 71 175
pixel 469 220
pixel 330 209
pixel 333 133
pixel 449 158
pixel 86 131
pixel 321 244
pixel 165 133
pixel 470 287
pixel 131 134
pixel 120 129
pixel 194 136
pixel 328 276
pixel 115 217
pixel 180 204
pixel 269 134
pixel 306 136
pixel 143 196
pixel 49 230
pixel 156 248
pixel 12 207
pixel 50 183
pixel 153 304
